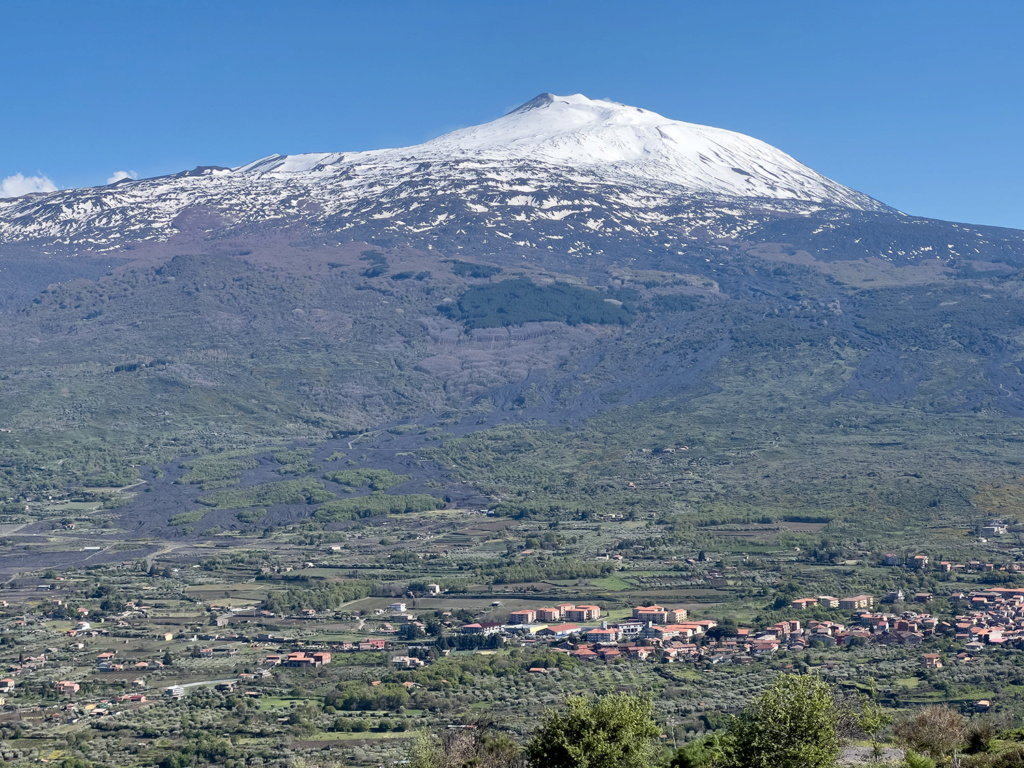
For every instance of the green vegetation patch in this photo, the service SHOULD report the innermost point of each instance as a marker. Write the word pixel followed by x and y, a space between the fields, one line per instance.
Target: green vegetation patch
pixel 319 597
pixel 251 515
pixel 185 518
pixel 379 264
pixel 219 469
pixel 676 303
pixel 374 505
pixel 118 479
pixel 375 479
pixel 305 491
pixel 518 301
pixel 295 462
pixel 468 269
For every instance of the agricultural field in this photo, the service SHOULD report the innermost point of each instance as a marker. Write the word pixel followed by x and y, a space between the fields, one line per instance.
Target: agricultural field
pixel 173 641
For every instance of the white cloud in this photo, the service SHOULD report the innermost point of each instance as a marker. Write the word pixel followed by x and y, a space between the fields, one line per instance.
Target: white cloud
pixel 17 185
pixel 121 175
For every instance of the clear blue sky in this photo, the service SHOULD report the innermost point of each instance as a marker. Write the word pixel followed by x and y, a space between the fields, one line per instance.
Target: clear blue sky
pixel 916 103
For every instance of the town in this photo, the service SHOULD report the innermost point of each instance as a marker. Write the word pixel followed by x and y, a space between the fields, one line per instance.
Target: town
pixel 361 641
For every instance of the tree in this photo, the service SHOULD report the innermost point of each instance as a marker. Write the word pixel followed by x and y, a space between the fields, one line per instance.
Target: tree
pixel 980 734
pixel 792 725
pixel 711 751
pixel 410 632
pixel 465 748
pixel 872 719
pixel 934 731
pixel 614 731
pixel 426 752
pixel 727 627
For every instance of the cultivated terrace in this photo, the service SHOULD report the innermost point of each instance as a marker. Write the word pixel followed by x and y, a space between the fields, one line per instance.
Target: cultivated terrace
pixel 348 645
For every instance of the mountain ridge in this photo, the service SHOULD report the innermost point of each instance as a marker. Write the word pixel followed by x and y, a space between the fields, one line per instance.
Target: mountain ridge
pixel 543 161
pixel 214 309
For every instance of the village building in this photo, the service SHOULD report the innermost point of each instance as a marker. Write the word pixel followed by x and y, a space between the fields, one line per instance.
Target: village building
pixel 583 613
pixel 558 630
pixel 602 635
pixel 481 628
pixel 654 613
pixel 856 602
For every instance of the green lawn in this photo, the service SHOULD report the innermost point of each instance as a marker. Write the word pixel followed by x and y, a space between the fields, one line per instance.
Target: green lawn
pixel 613 583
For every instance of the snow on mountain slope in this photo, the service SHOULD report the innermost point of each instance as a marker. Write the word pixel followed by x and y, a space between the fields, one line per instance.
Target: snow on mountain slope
pixel 620 142
pixel 604 166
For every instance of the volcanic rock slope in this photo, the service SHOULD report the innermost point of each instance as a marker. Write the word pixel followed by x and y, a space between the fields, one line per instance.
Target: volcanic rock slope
pixel 571 257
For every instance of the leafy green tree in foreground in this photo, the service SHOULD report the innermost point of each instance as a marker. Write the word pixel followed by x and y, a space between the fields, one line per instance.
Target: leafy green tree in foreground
pixel 614 731
pixel 792 725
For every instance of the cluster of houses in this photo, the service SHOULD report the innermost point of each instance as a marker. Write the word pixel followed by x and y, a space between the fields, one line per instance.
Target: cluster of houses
pixel 300 659
pixel 922 563
pixel 996 617
pixel 105 663
pixel 649 628
pixel 853 603
pixel 993 617
pixel 689 641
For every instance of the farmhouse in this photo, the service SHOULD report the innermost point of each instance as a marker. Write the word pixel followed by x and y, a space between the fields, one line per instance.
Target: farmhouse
pixel 300 659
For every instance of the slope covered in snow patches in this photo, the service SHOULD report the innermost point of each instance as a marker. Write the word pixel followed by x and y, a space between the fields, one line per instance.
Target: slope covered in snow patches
pixel 551 160
pixel 618 141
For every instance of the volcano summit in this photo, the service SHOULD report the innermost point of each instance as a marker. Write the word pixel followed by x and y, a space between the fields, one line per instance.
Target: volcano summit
pixel 602 165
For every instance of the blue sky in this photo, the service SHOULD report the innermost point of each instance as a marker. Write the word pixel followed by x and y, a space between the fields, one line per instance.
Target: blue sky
pixel 915 103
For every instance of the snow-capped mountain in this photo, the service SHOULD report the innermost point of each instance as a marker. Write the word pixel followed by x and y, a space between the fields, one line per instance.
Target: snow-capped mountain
pixel 594 166
pixel 617 142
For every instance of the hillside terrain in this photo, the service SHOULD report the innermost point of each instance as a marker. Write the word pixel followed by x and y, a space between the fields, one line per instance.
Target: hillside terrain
pixel 374 404
pixel 571 260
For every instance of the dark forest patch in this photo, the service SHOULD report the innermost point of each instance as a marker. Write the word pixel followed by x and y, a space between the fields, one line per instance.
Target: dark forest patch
pixel 514 302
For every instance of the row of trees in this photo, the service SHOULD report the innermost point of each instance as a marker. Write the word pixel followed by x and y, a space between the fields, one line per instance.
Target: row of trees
pixel 796 723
